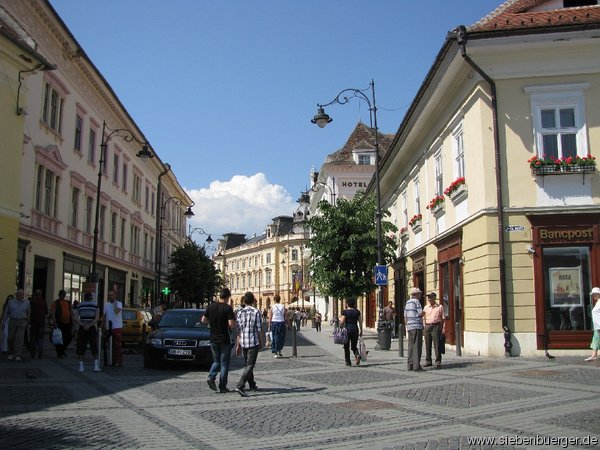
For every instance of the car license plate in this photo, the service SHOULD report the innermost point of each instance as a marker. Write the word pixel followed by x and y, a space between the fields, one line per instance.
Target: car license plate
pixel 179 351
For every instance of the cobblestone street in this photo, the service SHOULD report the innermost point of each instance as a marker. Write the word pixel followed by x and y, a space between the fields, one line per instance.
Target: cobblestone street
pixel 311 401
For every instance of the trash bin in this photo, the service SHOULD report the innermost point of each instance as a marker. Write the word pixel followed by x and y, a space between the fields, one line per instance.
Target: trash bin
pixel 384 334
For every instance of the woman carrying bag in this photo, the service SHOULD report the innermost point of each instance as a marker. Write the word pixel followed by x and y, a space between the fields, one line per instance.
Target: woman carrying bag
pixel 350 319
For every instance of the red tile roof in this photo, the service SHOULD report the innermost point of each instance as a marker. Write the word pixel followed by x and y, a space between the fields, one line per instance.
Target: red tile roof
pixel 517 14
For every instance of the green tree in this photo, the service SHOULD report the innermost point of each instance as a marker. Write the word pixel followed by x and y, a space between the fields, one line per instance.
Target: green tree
pixel 192 275
pixel 344 246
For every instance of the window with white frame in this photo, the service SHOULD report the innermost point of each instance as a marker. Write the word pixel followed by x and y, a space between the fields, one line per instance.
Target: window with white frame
pixel 123 224
pixel 46 191
pixel 268 255
pixel 124 178
pixel 268 277
pixel 113 228
pixel 439 179
pixel 404 209
pixel 458 150
pixel 53 105
pixel 294 255
pixel 74 206
pixel 89 205
pixel 116 169
pixel 92 147
pixel 558 113
pixel 102 222
pixel 78 133
pixel 134 244
pixel 147 199
pixel 417 196
pixel 137 189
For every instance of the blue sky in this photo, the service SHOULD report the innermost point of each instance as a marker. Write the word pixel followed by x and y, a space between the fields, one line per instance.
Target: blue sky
pixel 225 90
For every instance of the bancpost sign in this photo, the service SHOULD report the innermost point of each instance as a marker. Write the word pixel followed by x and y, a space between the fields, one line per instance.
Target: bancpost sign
pixel 577 234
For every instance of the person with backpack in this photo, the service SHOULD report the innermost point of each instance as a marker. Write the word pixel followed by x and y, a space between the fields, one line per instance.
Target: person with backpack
pixel 350 319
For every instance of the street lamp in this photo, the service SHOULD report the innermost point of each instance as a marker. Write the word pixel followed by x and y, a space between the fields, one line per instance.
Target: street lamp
pixel 161 216
pixel 321 183
pixel 144 154
pixel 199 230
pixel 321 119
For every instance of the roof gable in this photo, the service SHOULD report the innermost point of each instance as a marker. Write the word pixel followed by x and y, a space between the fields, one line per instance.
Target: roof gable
pixel 528 14
pixel 361 138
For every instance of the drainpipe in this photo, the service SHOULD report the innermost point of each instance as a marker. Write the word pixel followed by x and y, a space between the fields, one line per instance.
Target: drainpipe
pixel 462 42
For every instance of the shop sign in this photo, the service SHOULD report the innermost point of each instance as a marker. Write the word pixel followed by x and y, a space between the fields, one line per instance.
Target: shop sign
pixel 565 234
pixel 511 228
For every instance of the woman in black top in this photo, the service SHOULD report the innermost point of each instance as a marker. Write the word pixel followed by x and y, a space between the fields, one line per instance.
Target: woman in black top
pixel 350 318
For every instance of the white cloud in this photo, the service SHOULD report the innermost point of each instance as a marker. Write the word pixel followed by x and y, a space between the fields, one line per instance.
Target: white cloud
pixel 244 204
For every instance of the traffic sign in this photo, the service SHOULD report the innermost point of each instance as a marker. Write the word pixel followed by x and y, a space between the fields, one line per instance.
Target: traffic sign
pixel 381 278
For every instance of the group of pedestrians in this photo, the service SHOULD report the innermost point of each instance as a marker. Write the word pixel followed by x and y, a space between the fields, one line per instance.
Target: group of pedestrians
pixel 31 318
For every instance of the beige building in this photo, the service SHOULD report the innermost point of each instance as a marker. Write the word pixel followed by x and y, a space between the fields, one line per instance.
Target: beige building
pixel 69 113
pixel 268 265
pixel 511 246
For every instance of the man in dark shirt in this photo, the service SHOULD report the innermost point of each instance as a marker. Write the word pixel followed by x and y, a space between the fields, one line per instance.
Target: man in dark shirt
pixel 37 322
pixel 219 315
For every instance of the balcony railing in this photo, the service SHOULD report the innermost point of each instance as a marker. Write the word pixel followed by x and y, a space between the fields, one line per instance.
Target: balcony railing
pixel 561 170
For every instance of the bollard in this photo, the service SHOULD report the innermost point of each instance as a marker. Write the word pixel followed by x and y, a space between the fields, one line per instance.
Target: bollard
pixel 401 340
pixel 457 339
pixel 294 346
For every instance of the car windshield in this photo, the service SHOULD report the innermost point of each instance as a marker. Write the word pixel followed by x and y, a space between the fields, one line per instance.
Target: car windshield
pixel 185 319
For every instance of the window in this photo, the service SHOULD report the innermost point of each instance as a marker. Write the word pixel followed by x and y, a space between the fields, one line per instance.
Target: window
pixel 52 108
pixel 153 202
pixel 151 249
pixel 89 203
pixel 137 189
pixel 145 245
pixel 122 243
pixel 268 258
pixel 404 209
pixel 74 206
pixel 113 228
pixel 147 199
pixel 417 197
pixel 459 152
pixel 116 169
pixel 439 179
pixel 101 221
pixel 294 255
pixel 104 160
pixel 134 243
pixel 46 191
pixel 92 147
pixel 78 133
pixel 268 278
pixel 124 177
pixel 243 263
pixel 364 160
pixel 558 113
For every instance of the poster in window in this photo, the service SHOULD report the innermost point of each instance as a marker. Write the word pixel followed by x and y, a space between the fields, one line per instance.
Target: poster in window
pixel 565 286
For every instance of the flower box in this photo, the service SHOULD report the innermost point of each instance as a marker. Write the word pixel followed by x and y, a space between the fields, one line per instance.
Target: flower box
pixel 554 166
pixel 415 222
pixel 457 191
pixel 436 203
pixel 403 233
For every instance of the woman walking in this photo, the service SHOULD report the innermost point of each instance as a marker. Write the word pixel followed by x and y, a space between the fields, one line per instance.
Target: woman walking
pixel 350 319
pixel 277 326
pixel 595 345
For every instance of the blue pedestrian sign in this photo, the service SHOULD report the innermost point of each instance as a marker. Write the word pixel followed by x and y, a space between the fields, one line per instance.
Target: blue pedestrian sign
pixel 381 278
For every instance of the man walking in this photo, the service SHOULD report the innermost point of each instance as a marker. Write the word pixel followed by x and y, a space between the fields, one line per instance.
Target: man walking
pixel 61 317
pixel 86 316
pixel 17 312
pixel 113 317
pixel 219 315
pixel 37 324
pixel 249 325
pixel 435 326
pixel 413 314
pixel 277 326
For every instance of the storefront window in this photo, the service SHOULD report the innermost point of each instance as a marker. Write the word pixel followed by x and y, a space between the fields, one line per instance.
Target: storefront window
pixel 75 274
pixel 566 288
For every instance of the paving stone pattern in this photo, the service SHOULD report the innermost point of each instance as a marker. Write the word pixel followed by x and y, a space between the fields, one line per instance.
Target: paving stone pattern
pixel 312 401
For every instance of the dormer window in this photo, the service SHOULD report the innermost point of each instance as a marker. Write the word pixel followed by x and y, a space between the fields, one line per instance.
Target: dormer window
pixel 363 157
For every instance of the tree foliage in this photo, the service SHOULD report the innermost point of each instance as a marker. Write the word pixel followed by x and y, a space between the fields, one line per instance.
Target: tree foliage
pixel 344 245
pixel 192 275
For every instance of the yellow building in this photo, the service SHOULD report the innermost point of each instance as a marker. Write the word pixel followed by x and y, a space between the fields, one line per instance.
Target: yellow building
pixel 510 248
pixel 19 62
pixel 74 162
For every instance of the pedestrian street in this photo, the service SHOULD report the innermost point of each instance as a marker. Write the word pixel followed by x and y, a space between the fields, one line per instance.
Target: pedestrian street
pixel 309 401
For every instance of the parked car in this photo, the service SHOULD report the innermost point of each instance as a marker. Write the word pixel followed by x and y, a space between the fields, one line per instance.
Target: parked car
pixel 179 336
pixel 135 325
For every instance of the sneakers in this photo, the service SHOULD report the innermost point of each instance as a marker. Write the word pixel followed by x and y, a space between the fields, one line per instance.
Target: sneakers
pixel 81 369
pixel 274 356
pixel 211 384
pixel 242 392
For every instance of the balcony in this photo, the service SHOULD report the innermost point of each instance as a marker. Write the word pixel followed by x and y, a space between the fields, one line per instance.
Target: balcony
pixel 561 169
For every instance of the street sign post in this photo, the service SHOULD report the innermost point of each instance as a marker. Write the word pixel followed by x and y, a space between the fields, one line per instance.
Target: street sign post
pixel 381 278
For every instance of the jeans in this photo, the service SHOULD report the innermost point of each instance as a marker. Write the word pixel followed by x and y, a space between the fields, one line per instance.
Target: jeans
pixel 221 356
pixel 278 330
pixel 250 355
pixel 415 348
pixel 352 340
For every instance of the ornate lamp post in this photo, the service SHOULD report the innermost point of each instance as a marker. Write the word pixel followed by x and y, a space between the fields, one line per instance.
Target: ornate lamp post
pixel 144 154
pixel 199 230
pixel 321 119
pixel 160 217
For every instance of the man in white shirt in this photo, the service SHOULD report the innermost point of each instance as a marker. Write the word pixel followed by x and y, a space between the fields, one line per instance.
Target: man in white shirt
pixel 114 318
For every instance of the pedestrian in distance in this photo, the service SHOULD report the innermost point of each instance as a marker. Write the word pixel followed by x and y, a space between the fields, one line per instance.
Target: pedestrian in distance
pixel 318 320
pixel 413 314
pixel 595 345
pixel 17 312
pixel 388 312
pixel 4 327
pixel 221 320
pixel 434 328
pixel 278 323
pixel 61 317
pixel 86 316
pixel 350 319
pixel 113 320
pixel 249 324
pixel 37 324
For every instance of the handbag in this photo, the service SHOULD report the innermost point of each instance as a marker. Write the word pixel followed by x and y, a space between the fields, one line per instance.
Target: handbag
pixel 362 349
pixel 340 335
pixel 56 337
pixel 442 344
